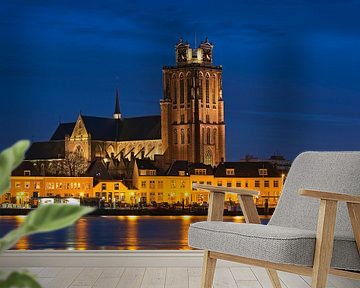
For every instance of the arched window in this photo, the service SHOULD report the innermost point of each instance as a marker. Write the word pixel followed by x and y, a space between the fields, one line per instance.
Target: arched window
pixel 214 136
pixel 110 150
pixel 182 135
pixel 98 151
pixel 174 91
pixel 208 158
pixel 188 136
pixel 203 135
pixel 175 137
pixel 208 137
pixel 167 88
pixel 189 86
pixel 207 89
pixel 213 89
pixel 201 95
pixel 182 89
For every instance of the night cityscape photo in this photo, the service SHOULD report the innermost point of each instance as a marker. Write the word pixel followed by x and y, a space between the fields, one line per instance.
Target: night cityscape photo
pixel 127 105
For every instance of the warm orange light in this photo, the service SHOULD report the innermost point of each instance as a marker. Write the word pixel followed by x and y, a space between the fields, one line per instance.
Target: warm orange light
pixel 132 217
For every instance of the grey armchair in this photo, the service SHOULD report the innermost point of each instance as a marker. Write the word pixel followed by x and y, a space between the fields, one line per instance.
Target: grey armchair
pixel 310 232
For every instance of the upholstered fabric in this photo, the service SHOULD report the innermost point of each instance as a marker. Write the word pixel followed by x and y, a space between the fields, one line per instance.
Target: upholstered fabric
pixel 290 235
pixel 325 171
pixel 270 243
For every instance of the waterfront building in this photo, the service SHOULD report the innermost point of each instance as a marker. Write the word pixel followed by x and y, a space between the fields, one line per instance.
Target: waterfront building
pixel 151 184
pixel 175 185
pixel 115 193
pixel 25 188
pixel 260 176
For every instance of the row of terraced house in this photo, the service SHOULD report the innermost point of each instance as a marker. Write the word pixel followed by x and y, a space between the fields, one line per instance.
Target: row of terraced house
pixel 150 184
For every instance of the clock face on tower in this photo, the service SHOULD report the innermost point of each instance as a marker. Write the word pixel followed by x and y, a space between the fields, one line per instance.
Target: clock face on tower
pixel 182 57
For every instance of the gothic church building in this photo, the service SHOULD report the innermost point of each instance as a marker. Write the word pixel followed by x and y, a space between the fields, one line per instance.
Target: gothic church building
pixel 191 126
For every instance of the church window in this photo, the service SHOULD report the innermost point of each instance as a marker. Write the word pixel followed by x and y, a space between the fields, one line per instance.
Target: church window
pixel 182 118
pixel 175 137
pixel 203 135
pixel 208 158
pixel 207 88
pixel 182 88
pixel 207 118
pixel 200 90
pixel 208 136
pixel 189 86
pixel 182 136
pixel 188 136
pixel 167 89
pixel 213 91
pixel 175 92
pixel 214 136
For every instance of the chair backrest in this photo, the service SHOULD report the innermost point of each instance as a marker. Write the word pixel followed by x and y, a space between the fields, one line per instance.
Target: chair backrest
pixel 325 171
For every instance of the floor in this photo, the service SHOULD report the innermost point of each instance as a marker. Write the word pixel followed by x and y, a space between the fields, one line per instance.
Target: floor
pixel 151 270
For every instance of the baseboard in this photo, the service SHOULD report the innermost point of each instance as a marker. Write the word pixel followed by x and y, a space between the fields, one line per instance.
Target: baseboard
pixel 105 258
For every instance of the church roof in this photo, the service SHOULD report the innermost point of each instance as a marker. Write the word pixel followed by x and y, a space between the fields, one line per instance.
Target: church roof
pixel 126 129
pixel 46 150
pixel 62 130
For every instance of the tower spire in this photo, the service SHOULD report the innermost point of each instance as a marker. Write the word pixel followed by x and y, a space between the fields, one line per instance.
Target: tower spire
pixel 117 113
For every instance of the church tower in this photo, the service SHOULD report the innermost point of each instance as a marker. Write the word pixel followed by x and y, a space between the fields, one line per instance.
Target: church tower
pixel 192 111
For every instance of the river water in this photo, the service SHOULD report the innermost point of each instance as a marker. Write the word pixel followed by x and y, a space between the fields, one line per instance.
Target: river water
pixel 113 233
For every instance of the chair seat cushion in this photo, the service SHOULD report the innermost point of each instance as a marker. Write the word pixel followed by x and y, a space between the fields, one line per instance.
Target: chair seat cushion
pixel 270 243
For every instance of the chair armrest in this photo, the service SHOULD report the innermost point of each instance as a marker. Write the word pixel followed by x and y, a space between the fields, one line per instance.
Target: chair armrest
pixel 221 189
pixel 217 197
pixel 330 196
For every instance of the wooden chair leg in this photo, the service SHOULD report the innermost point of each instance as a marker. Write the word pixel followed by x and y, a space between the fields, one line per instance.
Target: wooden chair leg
pixel 354 212
pixel 324 243
pixel 274 278
pixel 208 270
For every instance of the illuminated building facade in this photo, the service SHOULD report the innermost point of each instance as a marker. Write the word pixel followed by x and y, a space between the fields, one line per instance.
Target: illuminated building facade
pixel 24 188
pixel 192 111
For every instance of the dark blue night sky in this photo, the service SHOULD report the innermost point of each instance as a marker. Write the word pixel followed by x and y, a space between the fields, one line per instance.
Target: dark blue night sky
pixel 291 69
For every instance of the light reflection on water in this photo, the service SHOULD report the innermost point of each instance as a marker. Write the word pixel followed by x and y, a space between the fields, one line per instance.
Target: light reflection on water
pixel 112 233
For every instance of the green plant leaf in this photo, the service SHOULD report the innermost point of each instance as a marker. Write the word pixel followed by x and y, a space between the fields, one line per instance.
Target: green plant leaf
pixel 44 219
pixel 20 280
pixel 10 239
pixel 10 158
